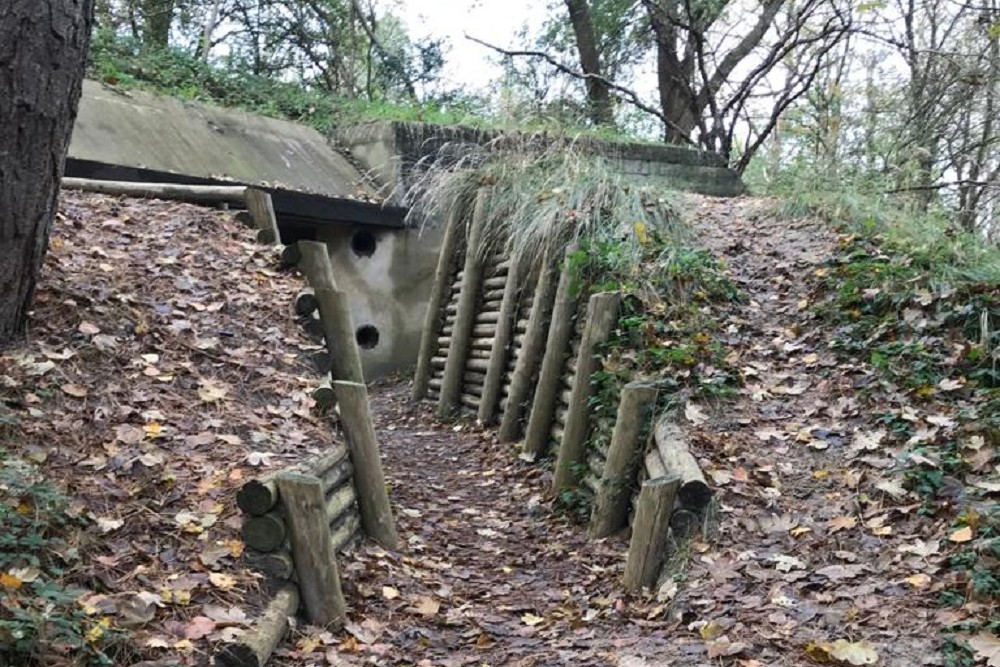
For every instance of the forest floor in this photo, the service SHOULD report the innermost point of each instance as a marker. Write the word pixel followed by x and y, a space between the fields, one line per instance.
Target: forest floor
pixel 164 369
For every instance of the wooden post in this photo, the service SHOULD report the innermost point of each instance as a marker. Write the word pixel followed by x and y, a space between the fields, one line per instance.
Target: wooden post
pixel 369 480
pixel 602 315
pixel 532 347
pixel 649 532
pixel 560 331
pixel 305 301
pixel 439 294
pixel 309 537
pixel 465 316
pixel 501 342
pixel 255 647
pixel 610 511
pixel 262 211
pixel 338 329
pixel 315 264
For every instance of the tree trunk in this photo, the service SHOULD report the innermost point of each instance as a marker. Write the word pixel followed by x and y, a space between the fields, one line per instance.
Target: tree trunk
pixel 43 52
pixel 157 15
pixel 598 96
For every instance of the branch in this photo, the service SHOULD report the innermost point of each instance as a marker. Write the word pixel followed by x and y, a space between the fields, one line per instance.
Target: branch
pixel 620 91
pixel 942 186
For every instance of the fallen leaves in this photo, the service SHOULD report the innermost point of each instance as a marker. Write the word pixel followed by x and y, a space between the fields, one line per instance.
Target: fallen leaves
pixel 843 652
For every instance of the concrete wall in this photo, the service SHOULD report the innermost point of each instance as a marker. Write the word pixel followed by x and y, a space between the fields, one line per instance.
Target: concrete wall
pixel 391 151
pixel 139 129
pixel 388 290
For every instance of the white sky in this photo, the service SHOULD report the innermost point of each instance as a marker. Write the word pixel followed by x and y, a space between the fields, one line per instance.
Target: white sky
pixel 467 64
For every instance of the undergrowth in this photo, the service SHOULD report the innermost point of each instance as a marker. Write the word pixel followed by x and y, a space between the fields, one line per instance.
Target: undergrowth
pixel 42 621
pixel 918 303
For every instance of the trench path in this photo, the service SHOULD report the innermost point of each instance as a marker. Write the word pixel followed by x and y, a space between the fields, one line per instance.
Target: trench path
pixel 488 574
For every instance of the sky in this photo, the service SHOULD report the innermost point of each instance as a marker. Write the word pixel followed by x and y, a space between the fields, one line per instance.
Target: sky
pixel 469 65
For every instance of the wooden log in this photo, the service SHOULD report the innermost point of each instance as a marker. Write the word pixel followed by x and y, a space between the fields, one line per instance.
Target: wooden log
pixel 483 343
pixel 487 318
pixel 259 496
pixel 439 293
pixel 315 264
pixel 336 475
pixel 338 502
pixel 202 194
pixel 475 391
pixel 254 648
pixel 560 329
pixel 493 380
pixel 434 384
pixel 261 210
pixel 242 217
pixel 305 301
pixel 602 315
pixel 490 306
pixel 477 365
pixel 276 566
pixel 654 466
pixel 312 552
pixel 290 256
pixel 369 480
pixel 494 295
pixel 466 312
pixel 479 354
pixel 344 530
pixel 439 362
pixel 472 377
pixel 312 327
pixel 264 533
pixel 470 401
pixel 325 399
pixel 531 351
pixel 321 361
pixel 649 532
pixel 610 507
pixel 694 494
pixel 685 523
pixel 338 329
pixel 496 282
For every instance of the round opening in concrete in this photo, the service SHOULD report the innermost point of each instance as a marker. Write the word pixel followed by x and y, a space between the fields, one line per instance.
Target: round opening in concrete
pixel 367 337
pixel 363 244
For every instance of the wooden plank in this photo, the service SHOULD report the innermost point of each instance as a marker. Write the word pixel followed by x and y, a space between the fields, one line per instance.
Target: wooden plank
pixel 647 547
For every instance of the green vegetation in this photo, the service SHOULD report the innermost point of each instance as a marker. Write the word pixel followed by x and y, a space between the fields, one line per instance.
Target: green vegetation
pixel 41 617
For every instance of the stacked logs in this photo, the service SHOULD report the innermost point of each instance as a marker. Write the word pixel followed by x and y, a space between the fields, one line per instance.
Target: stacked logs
pixel 486 325
pixel 265 530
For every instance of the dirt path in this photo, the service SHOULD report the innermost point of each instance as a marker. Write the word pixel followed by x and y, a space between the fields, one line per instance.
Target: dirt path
pixel 816 543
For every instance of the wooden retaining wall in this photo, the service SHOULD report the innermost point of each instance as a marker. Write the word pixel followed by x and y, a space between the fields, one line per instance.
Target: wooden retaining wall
pixel 520 351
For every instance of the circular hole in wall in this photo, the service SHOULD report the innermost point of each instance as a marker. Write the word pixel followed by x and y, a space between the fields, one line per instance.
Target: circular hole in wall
pixel 367 337
pixel 363 244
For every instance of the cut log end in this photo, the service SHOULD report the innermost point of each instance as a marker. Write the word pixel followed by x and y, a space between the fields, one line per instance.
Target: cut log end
pixel 257 497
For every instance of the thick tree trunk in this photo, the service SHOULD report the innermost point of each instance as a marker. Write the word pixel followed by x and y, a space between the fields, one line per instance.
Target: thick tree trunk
pixel 43 52
pixel 598 96
pixel 157 16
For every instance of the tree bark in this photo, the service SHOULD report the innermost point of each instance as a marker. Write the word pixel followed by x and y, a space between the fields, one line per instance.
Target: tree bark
pixel 598 95
pixel 157 16
pixel 43 52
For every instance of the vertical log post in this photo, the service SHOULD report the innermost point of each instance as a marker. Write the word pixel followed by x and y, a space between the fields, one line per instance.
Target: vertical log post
pixel 531 349
pixel 647 548
pixel 369 480
pixel 338 329
pixel 610 511
pixel 261 210
pixel 314 261
pixel 433 322
pixel 309 538
pixel 334 312
pixel 602 315
pixel 501 343
pixel 465 314
pixel 560 330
